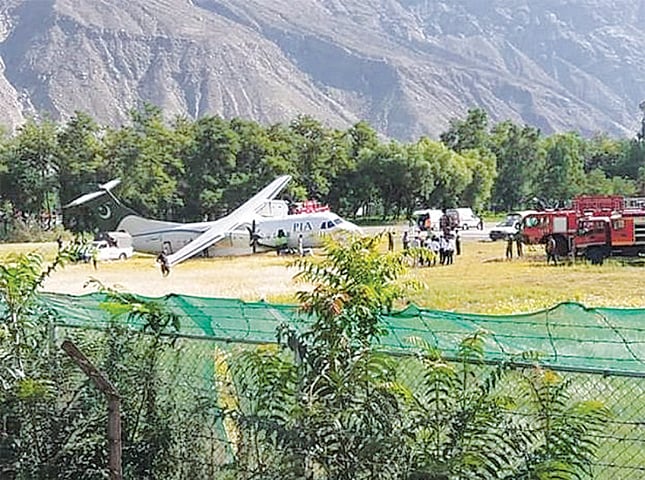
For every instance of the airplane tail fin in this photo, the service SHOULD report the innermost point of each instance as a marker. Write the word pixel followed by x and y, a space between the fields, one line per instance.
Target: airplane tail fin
pixel 100 208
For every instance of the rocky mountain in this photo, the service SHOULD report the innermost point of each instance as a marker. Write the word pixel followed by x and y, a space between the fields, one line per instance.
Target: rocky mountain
pixel 406 66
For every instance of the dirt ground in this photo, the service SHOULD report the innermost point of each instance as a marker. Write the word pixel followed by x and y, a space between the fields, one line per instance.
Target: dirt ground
pixel 249 278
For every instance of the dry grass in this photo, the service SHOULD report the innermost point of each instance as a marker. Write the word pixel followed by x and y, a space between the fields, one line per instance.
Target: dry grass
pixel 479 281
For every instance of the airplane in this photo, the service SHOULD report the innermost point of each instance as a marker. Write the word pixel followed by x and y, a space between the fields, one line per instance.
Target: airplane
pixel 260 224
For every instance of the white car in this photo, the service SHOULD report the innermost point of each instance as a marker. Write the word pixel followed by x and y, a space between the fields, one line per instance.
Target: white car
pixel 111 246
pixel 510 225
pixel 105 251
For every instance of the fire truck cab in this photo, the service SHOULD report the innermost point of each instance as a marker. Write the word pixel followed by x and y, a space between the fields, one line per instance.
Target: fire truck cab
pixel 562 224
pixel 619 234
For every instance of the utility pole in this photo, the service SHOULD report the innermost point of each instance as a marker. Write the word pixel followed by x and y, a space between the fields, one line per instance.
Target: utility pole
pixel 114 406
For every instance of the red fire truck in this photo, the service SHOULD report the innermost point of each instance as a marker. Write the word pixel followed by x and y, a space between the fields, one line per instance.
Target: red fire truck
pixel 309 206
pixel 563 223
pixel 619 234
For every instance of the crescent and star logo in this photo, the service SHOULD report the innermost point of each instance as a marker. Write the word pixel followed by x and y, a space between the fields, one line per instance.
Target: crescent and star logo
pixel 105 211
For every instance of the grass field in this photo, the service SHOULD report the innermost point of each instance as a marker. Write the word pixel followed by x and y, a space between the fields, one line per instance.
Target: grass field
pixel 480 281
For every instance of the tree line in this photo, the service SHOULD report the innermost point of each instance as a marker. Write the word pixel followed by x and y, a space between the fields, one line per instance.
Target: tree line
pixel 185 170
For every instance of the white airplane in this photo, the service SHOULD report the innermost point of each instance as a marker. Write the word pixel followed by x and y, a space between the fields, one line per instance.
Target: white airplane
pixel 246 230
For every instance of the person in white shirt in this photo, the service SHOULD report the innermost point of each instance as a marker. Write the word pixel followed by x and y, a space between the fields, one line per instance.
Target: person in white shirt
pixel 450 249
pixel 435 247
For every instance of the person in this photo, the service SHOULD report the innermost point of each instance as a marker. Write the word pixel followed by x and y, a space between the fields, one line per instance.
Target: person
pixel 406 240
pixel 390 241
pixel 518 244
pixel 59 242
pixel 450 249
pixel 443 247
pixel 95 259
pixel 162 260
pixel 435 247
pixel 458 244
pixel 301 248
pixel 480 225
pixel 445 222
pixel 551 250
pixel 282 243
pixel 509 247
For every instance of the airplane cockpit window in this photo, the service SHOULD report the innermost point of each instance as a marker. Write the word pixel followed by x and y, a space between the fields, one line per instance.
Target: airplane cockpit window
pixel 323 225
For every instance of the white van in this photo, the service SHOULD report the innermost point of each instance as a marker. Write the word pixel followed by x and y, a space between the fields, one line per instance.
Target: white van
pixel 429 215
pixel 465 217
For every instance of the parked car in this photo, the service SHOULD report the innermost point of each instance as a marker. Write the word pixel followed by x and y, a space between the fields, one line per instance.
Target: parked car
pixel 510 225
pixel 110 246
pixel 464 218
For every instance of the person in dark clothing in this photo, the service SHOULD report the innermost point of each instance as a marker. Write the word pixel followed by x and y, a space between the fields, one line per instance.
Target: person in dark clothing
pixel 519 244
pixel 162 260
pixel 551 249
pixel 406 240
pixel 390 241
pixel 509 247
pixel 457 244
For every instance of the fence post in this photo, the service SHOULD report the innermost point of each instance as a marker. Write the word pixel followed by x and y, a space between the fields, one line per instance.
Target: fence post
pixel 114 406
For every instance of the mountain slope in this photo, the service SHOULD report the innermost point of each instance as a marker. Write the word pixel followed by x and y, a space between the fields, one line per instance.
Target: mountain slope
pixel 406 66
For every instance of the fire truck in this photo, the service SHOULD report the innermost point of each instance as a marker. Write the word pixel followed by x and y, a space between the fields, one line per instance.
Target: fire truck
pixel 309 206
pixel 619 234
pixel 563 223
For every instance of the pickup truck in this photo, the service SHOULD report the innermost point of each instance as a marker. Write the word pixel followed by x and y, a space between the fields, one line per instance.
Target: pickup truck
pixel 110 246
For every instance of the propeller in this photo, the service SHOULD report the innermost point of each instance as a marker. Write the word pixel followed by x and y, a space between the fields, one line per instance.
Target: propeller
pixel 254 236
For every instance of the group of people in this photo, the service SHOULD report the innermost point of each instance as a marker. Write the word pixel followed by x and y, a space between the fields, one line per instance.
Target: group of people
pixel 442 246
pixel 517 240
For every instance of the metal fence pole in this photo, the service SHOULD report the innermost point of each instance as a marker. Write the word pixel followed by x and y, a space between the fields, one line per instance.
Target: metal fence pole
pixel 114 406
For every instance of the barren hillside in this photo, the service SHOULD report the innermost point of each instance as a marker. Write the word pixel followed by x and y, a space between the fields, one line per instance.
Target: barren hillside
pixel 406 66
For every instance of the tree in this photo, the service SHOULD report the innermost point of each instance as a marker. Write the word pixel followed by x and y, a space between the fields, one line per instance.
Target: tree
pixel 562 177
pixel 449 174
pixel 209 157
pixel 467 134
pixel 78 159
pixel 146 156
pixel 32 177
pixel 519 154
pixel 329 408
pixel 482 164
pixel 316 155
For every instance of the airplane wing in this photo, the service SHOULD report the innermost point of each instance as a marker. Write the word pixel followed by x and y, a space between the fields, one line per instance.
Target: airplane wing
pixel 220 227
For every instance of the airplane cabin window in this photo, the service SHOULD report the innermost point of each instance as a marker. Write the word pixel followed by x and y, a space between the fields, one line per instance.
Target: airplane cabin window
pixel 338 221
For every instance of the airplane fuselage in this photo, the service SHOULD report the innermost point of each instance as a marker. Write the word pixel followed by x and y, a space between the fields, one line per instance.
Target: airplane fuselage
pixel 154 236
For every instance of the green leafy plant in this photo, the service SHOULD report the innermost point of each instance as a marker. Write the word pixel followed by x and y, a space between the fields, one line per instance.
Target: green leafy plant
pixel 469 420
pixel 328 404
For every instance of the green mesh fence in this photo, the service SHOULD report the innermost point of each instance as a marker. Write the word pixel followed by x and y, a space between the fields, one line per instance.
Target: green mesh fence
pixel 602 349
pixel 567 336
